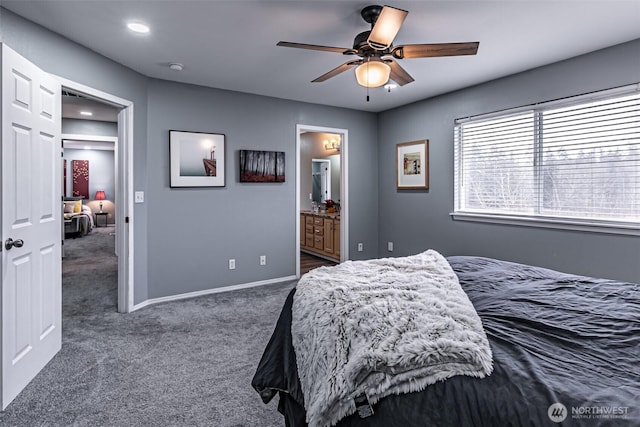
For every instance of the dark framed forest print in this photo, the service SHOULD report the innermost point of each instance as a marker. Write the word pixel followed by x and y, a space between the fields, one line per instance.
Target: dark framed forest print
pixel 262 166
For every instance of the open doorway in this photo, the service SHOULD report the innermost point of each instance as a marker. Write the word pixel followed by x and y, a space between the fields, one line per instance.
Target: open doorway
pixel 118 112
pixel 321 197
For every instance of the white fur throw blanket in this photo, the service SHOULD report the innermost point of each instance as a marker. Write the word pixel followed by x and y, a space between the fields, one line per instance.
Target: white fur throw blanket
pixel 381 327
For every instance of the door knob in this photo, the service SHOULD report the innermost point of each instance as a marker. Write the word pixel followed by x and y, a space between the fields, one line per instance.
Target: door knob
pixel 9 243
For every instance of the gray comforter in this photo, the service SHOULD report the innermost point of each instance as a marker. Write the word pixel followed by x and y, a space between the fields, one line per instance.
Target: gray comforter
pixel 565 352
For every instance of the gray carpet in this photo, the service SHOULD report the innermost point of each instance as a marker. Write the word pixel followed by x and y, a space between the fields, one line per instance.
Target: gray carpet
pixel 187 362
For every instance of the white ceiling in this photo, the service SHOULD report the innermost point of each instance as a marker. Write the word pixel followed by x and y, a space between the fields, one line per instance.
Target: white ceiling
pixel 231 44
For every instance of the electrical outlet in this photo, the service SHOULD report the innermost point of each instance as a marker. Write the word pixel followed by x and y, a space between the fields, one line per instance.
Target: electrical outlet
pixel 360 247
pixel 390 246
pixel 232 264
pixel 263 260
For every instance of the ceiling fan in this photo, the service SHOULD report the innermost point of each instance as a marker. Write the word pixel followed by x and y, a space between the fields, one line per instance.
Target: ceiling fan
pixel 377 55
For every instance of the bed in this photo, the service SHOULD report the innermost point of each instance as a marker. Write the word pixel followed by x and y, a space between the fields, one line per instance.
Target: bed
pixel 78 217
pixel 565 351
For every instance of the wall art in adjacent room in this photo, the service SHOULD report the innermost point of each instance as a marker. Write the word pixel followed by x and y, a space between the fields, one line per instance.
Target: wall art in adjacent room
pixel 80 171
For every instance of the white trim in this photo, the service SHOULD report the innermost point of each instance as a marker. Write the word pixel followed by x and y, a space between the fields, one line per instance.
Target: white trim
pixel 124 189
pixel 211 291
pixel 554 223
pixel 344 189
pixel 80 137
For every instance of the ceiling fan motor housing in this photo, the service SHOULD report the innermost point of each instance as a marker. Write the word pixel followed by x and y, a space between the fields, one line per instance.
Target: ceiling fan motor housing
pixel 370 14
pixel 361 44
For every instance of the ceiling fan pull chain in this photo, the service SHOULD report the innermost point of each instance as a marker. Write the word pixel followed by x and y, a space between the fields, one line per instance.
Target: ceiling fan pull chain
pixel 368 79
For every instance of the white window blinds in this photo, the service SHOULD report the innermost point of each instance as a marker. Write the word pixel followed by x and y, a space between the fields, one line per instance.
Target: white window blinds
pixel 573 159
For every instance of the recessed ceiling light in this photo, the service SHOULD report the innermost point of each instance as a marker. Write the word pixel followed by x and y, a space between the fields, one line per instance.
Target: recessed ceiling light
pixel 176 66
pixel 86 113
pixel 138 27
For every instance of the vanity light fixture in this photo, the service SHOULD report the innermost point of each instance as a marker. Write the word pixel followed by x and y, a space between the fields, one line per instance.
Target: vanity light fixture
pixel 138 27
pixel 332 144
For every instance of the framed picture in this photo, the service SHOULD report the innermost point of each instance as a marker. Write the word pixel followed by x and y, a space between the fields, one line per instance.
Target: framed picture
pixel 197 159
pixel 412 165
pixel 261 166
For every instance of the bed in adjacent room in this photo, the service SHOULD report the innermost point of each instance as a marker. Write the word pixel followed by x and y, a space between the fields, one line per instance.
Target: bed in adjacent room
pixel 563 349
pixel 78 217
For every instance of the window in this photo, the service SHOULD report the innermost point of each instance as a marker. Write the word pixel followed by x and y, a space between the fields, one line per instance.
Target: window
pixel 569 162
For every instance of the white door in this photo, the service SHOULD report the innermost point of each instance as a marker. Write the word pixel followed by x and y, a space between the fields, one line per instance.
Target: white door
pixel 31 196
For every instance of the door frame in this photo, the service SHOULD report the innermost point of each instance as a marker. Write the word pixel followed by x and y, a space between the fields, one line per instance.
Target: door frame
pixel 344 188
pixel 124 188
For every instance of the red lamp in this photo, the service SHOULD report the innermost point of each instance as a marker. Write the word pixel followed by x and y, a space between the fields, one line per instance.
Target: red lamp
pixel 100 196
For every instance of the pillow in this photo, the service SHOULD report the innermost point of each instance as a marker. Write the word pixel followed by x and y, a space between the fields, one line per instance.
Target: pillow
pixel 86 209
pixel 77 206
pixel 68 207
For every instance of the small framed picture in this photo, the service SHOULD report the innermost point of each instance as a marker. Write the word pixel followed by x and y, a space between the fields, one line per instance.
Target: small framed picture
pixel 262 166
pixel 412 165
pixel 197 159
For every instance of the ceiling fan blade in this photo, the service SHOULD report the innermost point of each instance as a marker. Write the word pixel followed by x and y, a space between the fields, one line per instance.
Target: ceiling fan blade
pixel 399 74
pixel 433 50
pixel 386 27
pixel 343 50
pixel 339 69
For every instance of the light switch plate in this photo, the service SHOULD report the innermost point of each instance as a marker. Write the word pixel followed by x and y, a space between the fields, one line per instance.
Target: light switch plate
pixel 139 197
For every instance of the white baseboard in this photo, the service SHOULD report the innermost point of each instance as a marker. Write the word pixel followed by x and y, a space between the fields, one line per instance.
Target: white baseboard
pixel 211 291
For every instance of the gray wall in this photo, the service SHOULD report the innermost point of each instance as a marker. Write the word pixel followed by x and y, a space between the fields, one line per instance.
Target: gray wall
pixel 417 220
pixel 195 231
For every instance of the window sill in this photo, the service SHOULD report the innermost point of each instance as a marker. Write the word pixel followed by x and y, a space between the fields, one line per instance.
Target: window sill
pixel 631 229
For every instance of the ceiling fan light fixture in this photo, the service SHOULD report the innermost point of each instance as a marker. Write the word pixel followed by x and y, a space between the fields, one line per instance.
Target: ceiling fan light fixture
pixel 373 73
pixel 386 27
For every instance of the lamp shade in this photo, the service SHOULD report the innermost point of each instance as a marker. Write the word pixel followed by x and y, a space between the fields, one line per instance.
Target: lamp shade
pixel 100 195
pixel 373 73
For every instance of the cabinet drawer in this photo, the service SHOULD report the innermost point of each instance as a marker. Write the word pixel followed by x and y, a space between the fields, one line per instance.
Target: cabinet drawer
pixel 309 240
pixel 308 219
pixel 318 231
pixel 318 222
pixel 318 242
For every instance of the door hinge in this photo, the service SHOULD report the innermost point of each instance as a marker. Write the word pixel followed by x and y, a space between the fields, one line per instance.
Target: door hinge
pixel 126 220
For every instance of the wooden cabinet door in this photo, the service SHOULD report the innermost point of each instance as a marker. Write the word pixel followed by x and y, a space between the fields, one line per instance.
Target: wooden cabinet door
pixel 328 236
pixel 336 238
pixel 308 230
